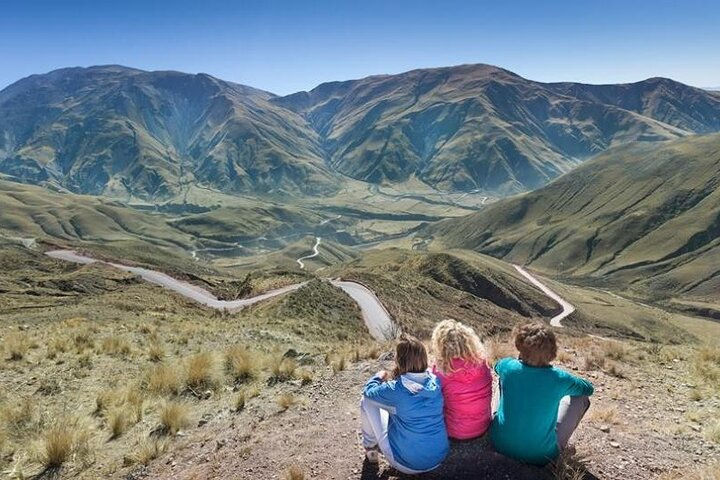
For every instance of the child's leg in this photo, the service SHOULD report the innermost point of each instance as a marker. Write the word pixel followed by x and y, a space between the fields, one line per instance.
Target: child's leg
pixel 571 411
pixel 374 420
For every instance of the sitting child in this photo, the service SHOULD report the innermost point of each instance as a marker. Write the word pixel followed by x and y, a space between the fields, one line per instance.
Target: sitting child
pixel 465 378
pixel 402 415
pixel 540 405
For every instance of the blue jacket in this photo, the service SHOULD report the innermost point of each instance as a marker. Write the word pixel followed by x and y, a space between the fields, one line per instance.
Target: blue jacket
pixel 416 426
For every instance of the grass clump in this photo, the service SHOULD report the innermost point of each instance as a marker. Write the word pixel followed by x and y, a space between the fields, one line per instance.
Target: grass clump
pixel 164 380
pixel 594 360
pixel 240 364
pixel 148 450
pixel 62 441
pixel 115 346
pixel 294 473
pixel 712 432
pixel 240 401
pixel 606 415
pixel 118 421
pixel 20 418
pixel 615 350
pixel 286 400
pixel 156 351
pixel 202 372
pixel 568 467
pixel 283 369
pixel 17 345
pixel 174 416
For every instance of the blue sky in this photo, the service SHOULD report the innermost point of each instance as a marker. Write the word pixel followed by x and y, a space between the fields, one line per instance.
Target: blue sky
pixel 286 46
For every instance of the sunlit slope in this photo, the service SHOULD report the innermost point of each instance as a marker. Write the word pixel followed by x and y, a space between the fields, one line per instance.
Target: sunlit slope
pixel 643 215
pixel 482 127
pixel 124 132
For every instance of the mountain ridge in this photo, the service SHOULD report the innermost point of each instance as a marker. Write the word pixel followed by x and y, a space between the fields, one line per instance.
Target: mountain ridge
pixel 120 131
pixel 630 216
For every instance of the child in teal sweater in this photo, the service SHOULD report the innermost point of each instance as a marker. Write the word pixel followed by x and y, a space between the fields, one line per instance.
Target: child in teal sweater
pixel 540 405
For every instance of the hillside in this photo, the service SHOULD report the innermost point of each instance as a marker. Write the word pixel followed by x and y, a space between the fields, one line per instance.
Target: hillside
pixel 133 134
pixel 482 127
pixel 124 132
pixel 644 216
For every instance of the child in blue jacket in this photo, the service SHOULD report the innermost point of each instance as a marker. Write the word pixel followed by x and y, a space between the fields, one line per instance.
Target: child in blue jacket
pixel 402 416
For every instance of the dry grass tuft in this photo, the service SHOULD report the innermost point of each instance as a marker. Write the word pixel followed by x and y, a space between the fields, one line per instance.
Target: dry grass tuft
pixel 294 473
pixel 17 345
pixel 62 441
pixel 594 359
pixel 240 364
pixel 240 401
pixel 19 418
pixel 156 351
pixel 712 432
pixel 107 399
pixel 306 376
pixel 148 450
pixel 705 365
pixel 83 340
pixel 164 380
pixel 286 400
pixel 338 364
pixel 202 372
pixel 606 415
pixel 615 350
pixel 116 346
pixel 174 416
pixel 283 369
pixel 118 421
pixel 568 467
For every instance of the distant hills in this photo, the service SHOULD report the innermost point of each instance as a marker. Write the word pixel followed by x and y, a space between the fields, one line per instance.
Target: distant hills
pixel 645 216
pixel 124 132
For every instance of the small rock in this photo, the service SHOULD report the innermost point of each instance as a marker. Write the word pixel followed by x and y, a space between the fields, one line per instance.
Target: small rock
pixel 615 444
pixel 604 428
pixel 695 427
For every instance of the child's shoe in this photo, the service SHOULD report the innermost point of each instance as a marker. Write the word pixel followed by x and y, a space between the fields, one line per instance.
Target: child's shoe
pixel 372 454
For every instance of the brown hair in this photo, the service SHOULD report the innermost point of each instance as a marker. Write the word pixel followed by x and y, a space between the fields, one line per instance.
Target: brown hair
pixel 410 356
pixel 450 340
pixel 536 343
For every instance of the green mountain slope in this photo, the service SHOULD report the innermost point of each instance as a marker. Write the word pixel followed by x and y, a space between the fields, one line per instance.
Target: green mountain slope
pixel 642 215
pixel 133 134
pixel 482 127
pixel 123 132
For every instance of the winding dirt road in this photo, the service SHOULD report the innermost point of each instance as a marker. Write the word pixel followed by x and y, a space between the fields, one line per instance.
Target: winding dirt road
pixel 315 253
pixel 567 308
pixel 376 317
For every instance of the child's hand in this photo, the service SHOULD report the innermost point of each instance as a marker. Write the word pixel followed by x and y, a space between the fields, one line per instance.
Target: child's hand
pixel 382 375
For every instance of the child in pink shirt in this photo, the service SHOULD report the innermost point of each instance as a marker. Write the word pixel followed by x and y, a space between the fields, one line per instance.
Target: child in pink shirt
pixel 465 379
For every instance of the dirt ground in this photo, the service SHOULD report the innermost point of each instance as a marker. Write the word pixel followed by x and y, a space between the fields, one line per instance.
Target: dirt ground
pixel 643 423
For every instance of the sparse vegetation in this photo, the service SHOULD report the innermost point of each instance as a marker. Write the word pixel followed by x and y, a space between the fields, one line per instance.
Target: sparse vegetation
pixel 282 368
pixel 286 400
pixel 164 380
pixel 65 438
pixel 174 416
pixel 294 473
pixel 202 372
pixel 240 364
pixel 17 345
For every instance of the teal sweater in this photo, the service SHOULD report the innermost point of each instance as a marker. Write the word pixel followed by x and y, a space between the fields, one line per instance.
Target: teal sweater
pixel 524 426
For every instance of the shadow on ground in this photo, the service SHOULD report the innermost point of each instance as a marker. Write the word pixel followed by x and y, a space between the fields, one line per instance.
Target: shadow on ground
pixel 476 460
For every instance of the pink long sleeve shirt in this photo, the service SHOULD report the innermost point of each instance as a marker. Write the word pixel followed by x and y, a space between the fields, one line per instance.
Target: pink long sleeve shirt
pixel 467 392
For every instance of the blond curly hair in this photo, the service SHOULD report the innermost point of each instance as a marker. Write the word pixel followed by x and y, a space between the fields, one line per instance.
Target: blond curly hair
pixel 451 339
